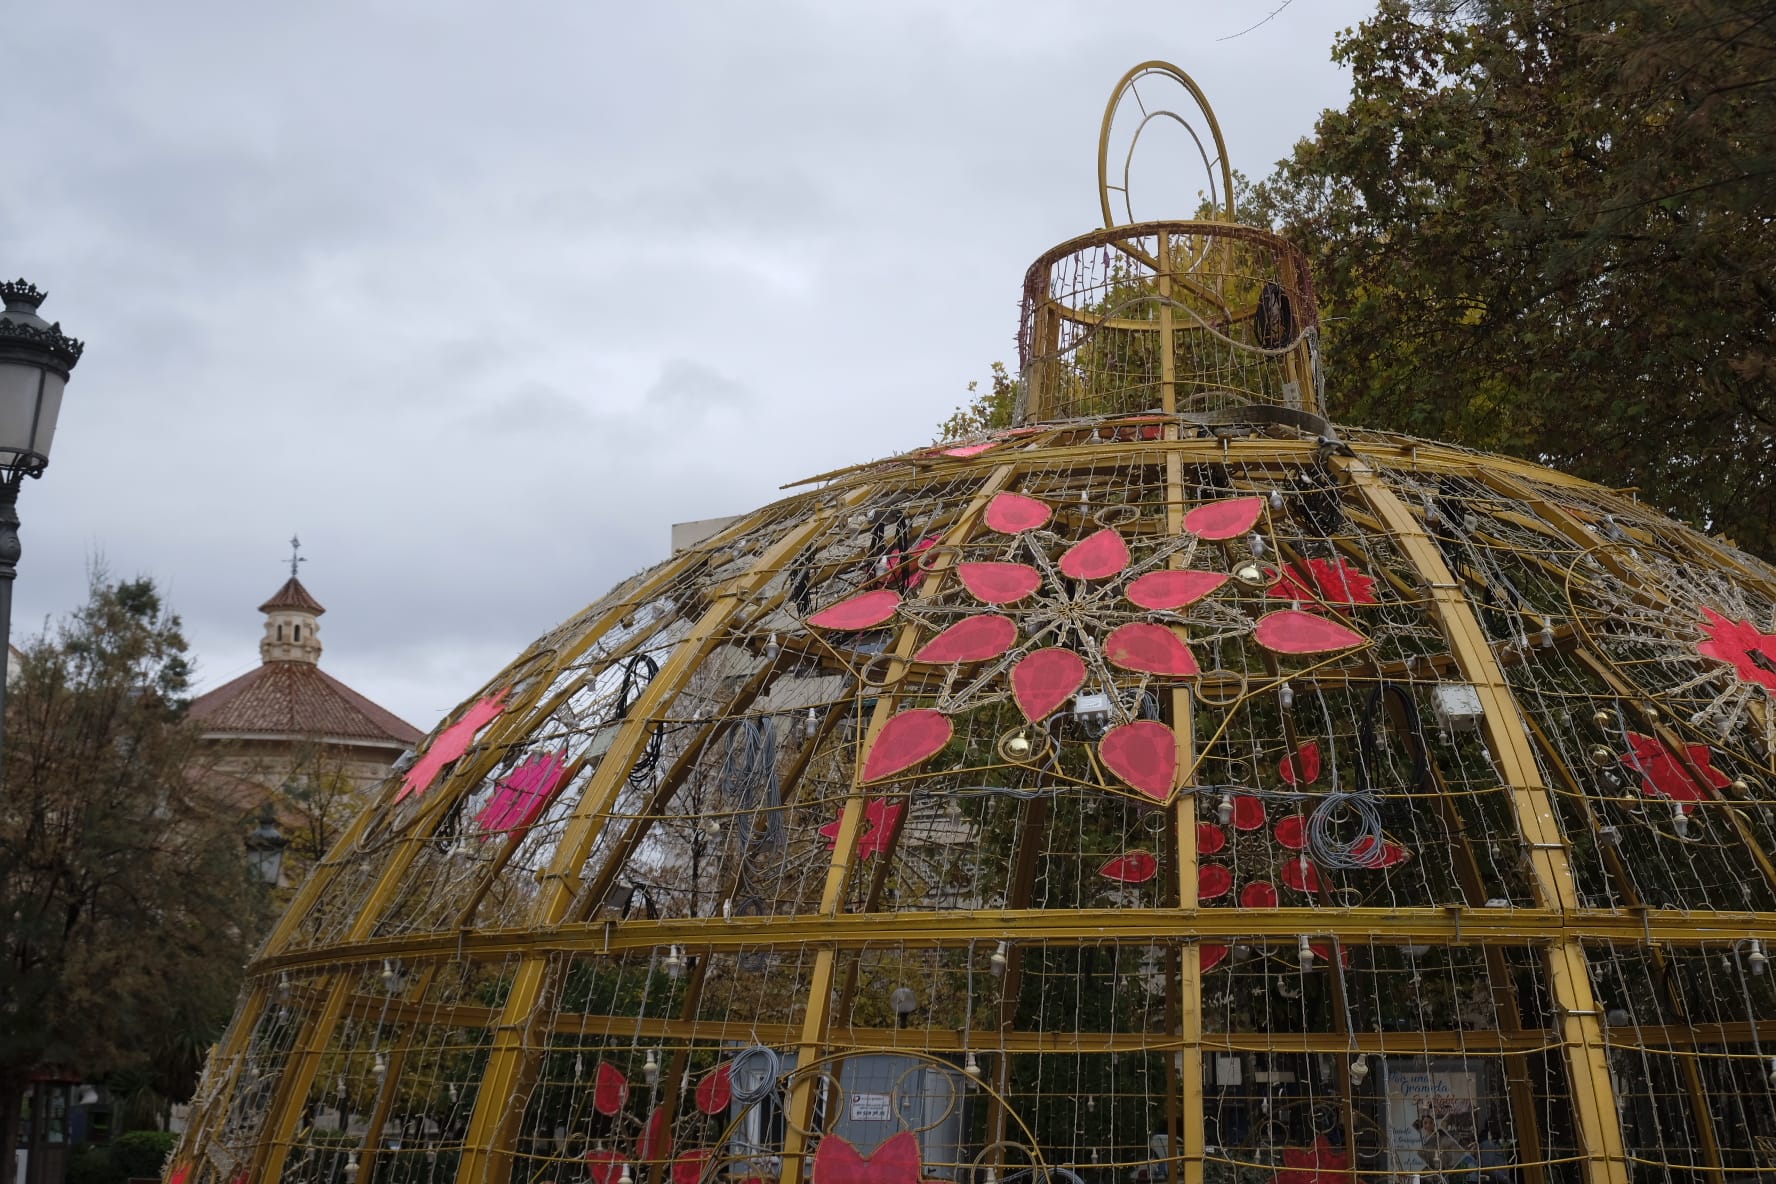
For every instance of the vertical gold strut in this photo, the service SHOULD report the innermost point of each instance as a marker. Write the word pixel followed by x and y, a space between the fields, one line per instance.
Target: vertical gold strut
pixel 800 1109
pixel 1581 1033
pixel 496 1105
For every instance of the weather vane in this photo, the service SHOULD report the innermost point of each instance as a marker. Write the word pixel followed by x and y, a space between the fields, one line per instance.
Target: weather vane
pixel 296 555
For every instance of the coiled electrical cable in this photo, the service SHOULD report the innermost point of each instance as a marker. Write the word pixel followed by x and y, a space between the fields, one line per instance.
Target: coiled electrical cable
pixel 638 672
pixel 750 1063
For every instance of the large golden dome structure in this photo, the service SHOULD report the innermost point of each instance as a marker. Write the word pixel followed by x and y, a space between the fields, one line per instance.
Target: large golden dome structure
pixel 1169 786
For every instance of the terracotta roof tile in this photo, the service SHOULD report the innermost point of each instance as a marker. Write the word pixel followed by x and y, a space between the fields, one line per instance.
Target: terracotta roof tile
pixel 292 595
pixel 297 699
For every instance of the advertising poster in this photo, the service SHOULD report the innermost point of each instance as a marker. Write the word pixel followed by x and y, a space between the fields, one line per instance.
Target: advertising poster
pixel 1434 1117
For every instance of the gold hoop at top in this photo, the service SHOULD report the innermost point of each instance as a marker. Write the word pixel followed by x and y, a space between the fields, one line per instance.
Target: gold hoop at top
pixel 1222 203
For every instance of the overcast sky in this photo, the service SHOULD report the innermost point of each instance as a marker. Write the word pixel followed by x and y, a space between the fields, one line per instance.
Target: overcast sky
pixel 480 299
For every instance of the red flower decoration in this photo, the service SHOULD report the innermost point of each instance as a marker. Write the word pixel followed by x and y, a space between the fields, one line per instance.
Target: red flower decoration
pixel 859 612
pixel 610 1089
pixel 1212 880
pixel 1304 767
pixel 1211 956
pixel 904 741
pixel 716 1089
pixel 1133 867
pixel 1320 1164
pixel 1751 651
pixel 896 1161
pixel 604 1166
pixel 451 743
pixel 655 1141
pixel 880 820
pixel 1259 894
pixel 1662 772
pixel 521 795
pixel 1209 838
pixel 1331 580
pixel 1291 832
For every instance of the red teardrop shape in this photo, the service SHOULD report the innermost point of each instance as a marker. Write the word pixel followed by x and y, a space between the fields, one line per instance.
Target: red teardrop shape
pixel 1161 590
pixel 1291 631
pixel 999 583
pixel 905 740
pixel 604 1165
pixel 1259 894
pixel 1144 754
pixel 1291 832
pixel 974 639
pixel 1248 812
pixel 1365 853
pixel 716 1089
pixel 1212 880
pixel 1301 875
pixel 968 450
pixel 1133 867
pixel 1209 838
pixel 1224 520
pixel 655 1140
pixel 1097 556
pixel 859 612
pixel 610 1089
pixel 1013 513
pixel 1151 649
pixel 1211 956
pixel 1044 680
pixel 1309 765
pixel 688 1167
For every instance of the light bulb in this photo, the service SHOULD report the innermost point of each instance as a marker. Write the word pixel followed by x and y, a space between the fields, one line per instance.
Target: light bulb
pixel 1256 542
pixel 1276 499
pixel 1680 821
pixel 1359 1070
pixel 388 975
pixel 380 1067
pixel 452 1091
pixel 1286 696
pixel 625 1178
pixel 675 962
pixel 1755 958
pixel 1547 637
pixel 999 959
pixel 1224 811
pixel 650 1068
pixel 881 570
pixel 811 724
pixel 350 1171
pixel 712 827
pixel 579 1065
pixel 1018 747
pixel 971 1066
pixel 771 648
pixel 1304 953
pixel 728 909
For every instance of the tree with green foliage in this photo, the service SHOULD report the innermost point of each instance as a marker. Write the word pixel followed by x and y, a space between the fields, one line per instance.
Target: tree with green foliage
pixel 126 912
pixel 985 411
pixel 1548 227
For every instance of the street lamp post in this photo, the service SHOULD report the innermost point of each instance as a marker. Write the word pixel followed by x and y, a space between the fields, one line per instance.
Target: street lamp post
pixel 35 360
pixel 265 850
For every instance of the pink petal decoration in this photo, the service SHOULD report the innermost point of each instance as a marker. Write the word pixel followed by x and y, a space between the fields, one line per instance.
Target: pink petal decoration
pixel 1144 754
pixel 1133 867
pixel 1212 880
pixel 880 820
pixel 1211 955
pixel 1013 513
pixel 1301 875
pixel 656 1138
pixel 451 743
pixel 1209 838
pixel 968 450
pixel 1333 581
pixel 896 1161
pixel 610 1089
pixel 1161 590
pixel 1044 680
pixel 1742 644
pixel 859 612
pixel 1309 761
pixel 1389 855
pixel 1259 894
pixel 999 583
pixel 688 1167
pixel 716 1089
pixel 1097 556
pixel 1291 631
pixel 905 740
pixel 521 795
pixel 180 1174
pixel 1248 812
pixel 1291 832
pixel 1224 520
pixel 973 639
pixel 605 1165
pixel 1151 649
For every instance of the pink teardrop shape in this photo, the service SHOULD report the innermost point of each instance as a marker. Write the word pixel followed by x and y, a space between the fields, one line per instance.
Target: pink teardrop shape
pixel 1097 556
pixel 604 1165
pixel 1211 956
pixel 859 612
pixel 1212 880
pixel 1144 754
pixel 1161 590
pixel 716 1089
pixel 1134 867
pixel 1044 680
pixel 1013 513
pixel 1291 832
pixel 1309 762
pixel 974 639
pixel 1224 520
pixel 968 450
pixel 610 1089
pixel 999 583
pixel 1301 875
pixel 1248 812
pixel 905 740
pixel 1209 838
pixel 1259 894
pixel 1151 649
pixel 1291 631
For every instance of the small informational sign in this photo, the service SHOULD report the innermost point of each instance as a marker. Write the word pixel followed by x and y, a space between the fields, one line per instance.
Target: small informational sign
pixel 871 1108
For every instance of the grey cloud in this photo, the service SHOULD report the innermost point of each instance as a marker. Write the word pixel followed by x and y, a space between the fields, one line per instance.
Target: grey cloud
pixel 685 385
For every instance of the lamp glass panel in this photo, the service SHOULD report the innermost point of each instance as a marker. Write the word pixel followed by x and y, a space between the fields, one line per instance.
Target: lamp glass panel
pixel 19 387
pixel 53 385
